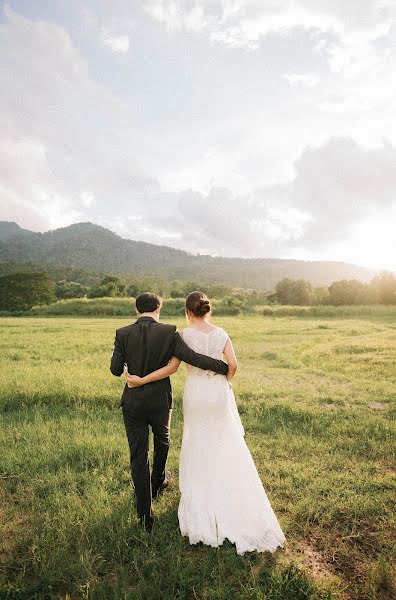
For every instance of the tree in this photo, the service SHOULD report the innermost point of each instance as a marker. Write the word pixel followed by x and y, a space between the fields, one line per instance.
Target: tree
pixel 385 286
pixel 110 286
pixel 216 290
pixel 21 291
pixel 190 286
pixel 176 293
pixel 292 291
pixel 283 290
pixel 350 291
pixel 319 295
pixel 300 293
pixel 70 289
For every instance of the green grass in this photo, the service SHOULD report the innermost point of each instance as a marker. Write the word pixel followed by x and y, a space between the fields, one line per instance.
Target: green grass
pixel 317 398
pixel 326 311
pixel 110 307
pixel 124 307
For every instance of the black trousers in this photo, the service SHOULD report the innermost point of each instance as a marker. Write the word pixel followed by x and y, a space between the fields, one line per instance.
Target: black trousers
pixel 137 430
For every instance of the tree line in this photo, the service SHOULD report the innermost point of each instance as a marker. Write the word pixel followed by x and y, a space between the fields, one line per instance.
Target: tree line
pixel 380 290
pixel 74 282
pixel 21 291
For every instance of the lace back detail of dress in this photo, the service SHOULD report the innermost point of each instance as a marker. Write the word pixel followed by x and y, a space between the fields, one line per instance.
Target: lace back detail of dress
pixel 212 344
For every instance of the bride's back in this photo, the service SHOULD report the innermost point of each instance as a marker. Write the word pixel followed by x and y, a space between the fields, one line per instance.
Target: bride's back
pixel 211 343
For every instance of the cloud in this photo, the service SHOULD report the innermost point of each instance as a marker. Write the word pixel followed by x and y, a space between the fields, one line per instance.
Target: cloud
pixel 226 169
pixel 336 187
pixel 178 15
pixel 28 192
pixel 339 185
pixel 304 79
pixel 242 23
pixel 118 44
pixel 113 35
pixel 237 23
pixel 353 57
pixel 65 139
pixel 342 184
pixel 352 37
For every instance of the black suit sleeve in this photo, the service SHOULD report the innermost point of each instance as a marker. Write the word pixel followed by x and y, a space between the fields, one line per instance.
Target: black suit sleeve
pixel 185 353
pixel 118 359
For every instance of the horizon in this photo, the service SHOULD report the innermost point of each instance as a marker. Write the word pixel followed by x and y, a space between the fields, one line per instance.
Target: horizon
pixel 377 269
pixel 234 129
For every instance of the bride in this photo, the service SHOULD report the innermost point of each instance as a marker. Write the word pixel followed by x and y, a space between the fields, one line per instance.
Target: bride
pixel 221 492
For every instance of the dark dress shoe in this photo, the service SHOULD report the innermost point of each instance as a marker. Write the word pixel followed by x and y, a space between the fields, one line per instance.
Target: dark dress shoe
pixel 147 521
pixel 156 491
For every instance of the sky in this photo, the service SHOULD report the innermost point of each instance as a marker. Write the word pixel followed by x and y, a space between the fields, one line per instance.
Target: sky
pixel 248 128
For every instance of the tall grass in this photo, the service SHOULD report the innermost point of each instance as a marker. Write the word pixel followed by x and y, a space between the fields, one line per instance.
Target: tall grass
pixel 112 307
pixel 317 398
pixel 175 307
pixel 371 310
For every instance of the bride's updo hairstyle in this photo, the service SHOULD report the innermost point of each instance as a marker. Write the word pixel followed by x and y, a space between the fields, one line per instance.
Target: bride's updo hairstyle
pixel 198 303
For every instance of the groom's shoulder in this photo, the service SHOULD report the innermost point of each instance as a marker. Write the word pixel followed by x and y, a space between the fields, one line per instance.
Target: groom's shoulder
pixel 167 327
pixel 124 330
pixel 163 327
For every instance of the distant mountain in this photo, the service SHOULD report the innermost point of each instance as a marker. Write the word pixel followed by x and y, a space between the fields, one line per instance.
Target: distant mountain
pixel 8 229
pixel 94 248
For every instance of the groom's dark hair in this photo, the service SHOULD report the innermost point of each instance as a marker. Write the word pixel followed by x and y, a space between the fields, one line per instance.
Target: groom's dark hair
pixel 147 302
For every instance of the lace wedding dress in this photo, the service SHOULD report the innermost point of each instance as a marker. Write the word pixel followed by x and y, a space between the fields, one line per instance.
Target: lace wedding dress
pixel 221 492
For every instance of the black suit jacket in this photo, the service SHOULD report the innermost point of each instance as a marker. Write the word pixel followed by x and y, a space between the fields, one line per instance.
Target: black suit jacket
pixel 146 346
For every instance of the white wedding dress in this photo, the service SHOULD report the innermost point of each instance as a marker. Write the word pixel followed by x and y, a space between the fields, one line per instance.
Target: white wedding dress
pixel 221 492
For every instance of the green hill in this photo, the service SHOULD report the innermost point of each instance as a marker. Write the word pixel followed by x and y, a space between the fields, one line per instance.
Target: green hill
pixel 93 248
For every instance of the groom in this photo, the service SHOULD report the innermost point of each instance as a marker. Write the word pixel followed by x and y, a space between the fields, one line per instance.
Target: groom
pixel 145 346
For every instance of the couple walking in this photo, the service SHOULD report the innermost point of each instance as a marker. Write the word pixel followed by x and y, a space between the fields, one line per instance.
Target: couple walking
pixel 221 493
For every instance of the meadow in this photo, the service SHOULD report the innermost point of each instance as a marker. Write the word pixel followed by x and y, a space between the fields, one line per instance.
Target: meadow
pixel 317 397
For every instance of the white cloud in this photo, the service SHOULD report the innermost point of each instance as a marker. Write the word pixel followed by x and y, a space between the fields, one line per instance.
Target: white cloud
pixel 237 23
pixel 355 39
pixel 339 184
pixel 248 165
pixel 118 44
pixel 176 15
pixel 348 35
pixel 336 188
pixel 304 79
pixel 28 191
pixel 113 35
pixel 62 132
pixel 243 23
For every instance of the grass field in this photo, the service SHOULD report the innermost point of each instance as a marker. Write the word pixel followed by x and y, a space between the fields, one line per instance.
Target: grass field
pixel 317 397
